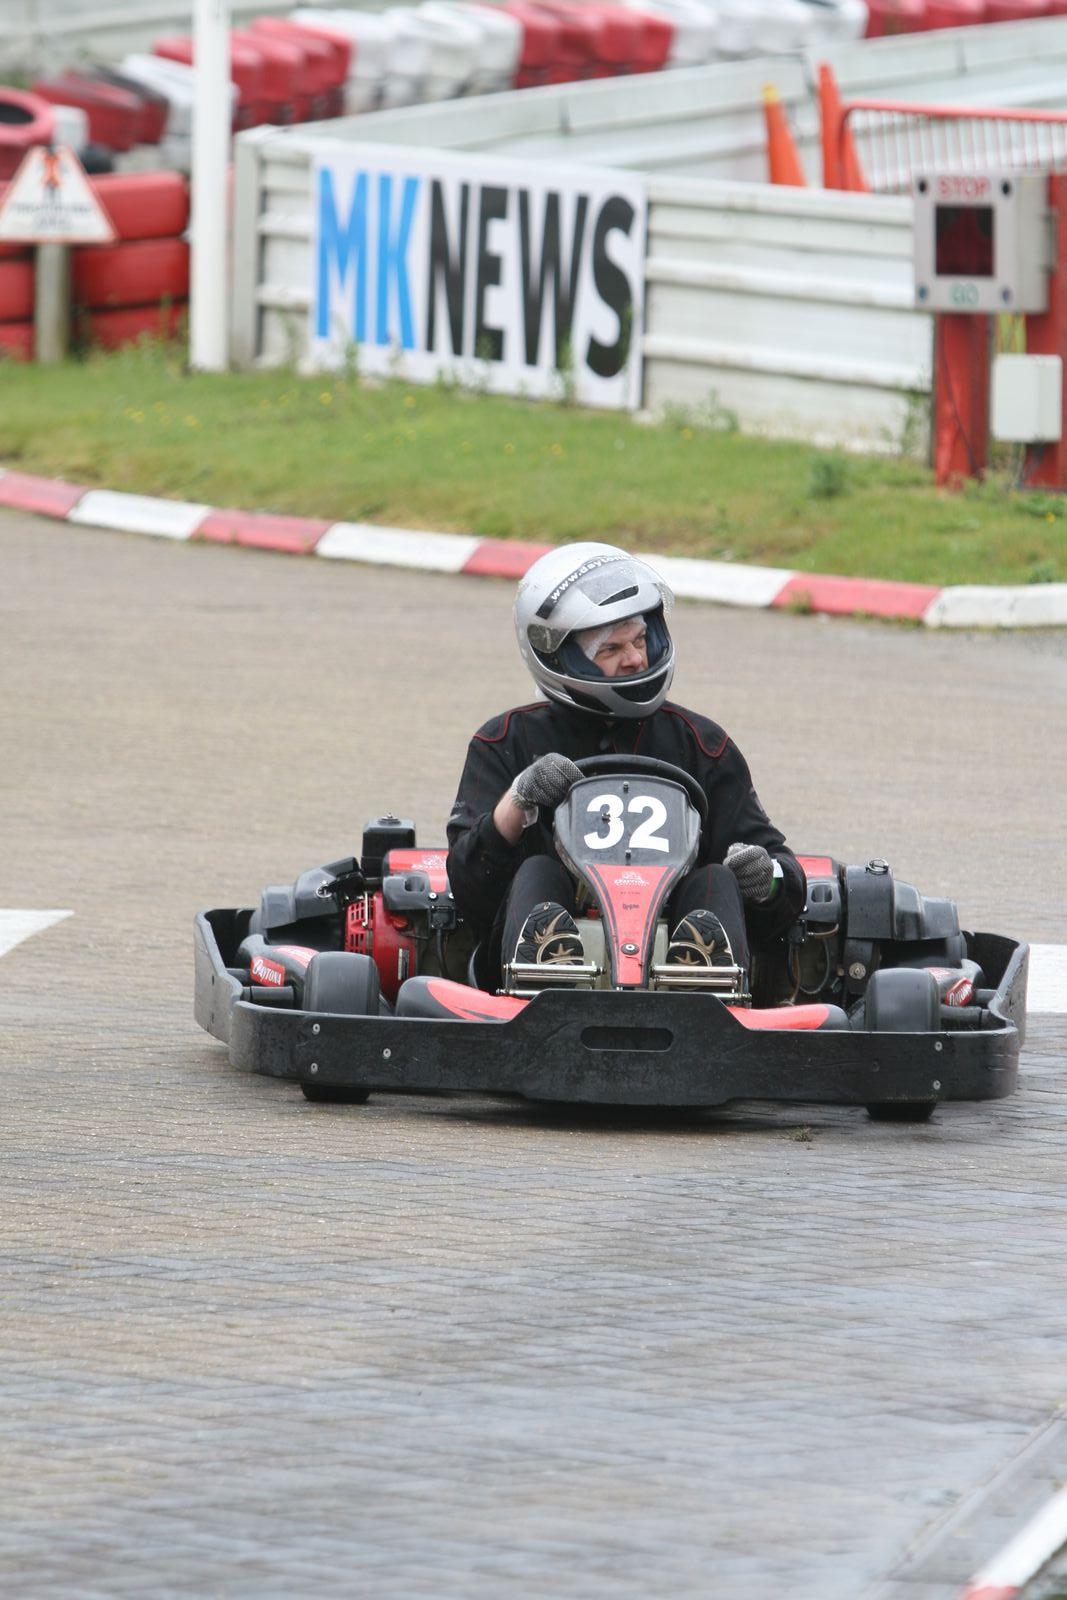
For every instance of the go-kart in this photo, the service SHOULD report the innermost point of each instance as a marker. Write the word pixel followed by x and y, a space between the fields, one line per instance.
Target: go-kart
pixel 361 977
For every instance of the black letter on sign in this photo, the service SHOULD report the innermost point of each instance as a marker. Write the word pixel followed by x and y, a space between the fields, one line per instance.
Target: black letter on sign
pixel 613 287
pixel 488 342
pixel 453 267
pixel 563 296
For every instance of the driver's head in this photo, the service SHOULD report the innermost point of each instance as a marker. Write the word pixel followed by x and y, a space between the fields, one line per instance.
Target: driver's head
pixel 592 627
pixel 618 651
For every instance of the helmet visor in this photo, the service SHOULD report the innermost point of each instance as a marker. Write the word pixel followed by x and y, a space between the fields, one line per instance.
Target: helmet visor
pixel 573 661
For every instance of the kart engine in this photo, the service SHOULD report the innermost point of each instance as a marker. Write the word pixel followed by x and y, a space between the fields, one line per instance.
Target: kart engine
pixel 859 918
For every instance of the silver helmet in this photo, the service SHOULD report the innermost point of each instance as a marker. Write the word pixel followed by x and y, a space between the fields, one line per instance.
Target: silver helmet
pixel 584 586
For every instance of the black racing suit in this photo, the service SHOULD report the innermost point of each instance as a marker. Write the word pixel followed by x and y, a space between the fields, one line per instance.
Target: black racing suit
pixel 482 864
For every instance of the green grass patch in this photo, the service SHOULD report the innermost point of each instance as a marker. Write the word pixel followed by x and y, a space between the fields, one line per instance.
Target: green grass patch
pixel 447 458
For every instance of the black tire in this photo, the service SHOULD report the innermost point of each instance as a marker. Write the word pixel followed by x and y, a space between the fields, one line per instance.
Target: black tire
pixel 328 1094
pixel 345 984
pixel 903 1111
pixel 902 1000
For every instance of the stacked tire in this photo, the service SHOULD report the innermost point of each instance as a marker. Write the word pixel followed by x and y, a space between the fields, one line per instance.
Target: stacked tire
pixel 139 286
pixel 25 120
pixel 16 303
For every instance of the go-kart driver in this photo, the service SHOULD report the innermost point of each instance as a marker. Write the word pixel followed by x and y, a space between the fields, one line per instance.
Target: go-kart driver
pixel 592 629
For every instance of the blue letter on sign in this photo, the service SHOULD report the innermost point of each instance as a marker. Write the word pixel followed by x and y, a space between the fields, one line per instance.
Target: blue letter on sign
pixel 337 244
pixel 392 257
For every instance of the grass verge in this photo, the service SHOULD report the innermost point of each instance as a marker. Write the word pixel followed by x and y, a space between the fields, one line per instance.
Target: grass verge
pixel 453 460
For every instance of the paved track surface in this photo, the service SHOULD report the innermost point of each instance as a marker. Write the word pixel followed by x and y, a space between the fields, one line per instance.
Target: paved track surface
pixel 253 1347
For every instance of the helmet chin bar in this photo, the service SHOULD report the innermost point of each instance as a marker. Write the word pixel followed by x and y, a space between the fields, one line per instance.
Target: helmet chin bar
pixel 609 701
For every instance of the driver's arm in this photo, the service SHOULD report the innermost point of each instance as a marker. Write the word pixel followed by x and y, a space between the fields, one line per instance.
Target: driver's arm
pixel 482 856
pixel 736 815
pixel 488 821
pixel 510 817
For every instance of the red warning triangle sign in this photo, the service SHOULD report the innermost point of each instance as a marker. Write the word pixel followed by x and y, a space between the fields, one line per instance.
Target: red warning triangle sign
pixel 50 201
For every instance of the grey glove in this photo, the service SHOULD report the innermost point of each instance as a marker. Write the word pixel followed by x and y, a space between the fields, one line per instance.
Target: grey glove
pixel 544 782
pixel 753 868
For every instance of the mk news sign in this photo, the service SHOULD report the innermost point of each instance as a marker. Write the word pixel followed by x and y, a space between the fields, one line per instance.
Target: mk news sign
pixel 430 263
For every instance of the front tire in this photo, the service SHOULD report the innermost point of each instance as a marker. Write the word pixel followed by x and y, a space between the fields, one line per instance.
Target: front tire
pixel 902 1000
pixel 902 1111
pixel 344 984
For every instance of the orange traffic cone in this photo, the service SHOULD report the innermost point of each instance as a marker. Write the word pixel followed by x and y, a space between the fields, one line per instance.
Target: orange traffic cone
pixel 783 159
pixel 840 164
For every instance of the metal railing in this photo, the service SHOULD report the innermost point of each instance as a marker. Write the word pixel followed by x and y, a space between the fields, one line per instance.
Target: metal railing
pixel 882 144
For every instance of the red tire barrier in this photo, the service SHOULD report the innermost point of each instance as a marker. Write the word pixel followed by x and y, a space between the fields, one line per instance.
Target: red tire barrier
pixel 144 205
pixel 139 273
pixel 16 341
pixel 13 252
pixel 323 75
pixel 621 42
pixel 1016 10
pixel 895 16
pixel 340 44
pixel 16 290
pixel 155 108
pixel 580 30
pixel 286 95
pixel 954 14
pixel 246 71
pixel 25 120
pixel 542 44
pixel 110 330
pixel 656 42
pixel 114 114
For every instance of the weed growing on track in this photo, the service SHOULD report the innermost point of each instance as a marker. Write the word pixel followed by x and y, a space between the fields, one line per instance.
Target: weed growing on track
pixel 338 446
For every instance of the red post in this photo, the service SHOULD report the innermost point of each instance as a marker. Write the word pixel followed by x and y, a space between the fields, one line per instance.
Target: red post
pixel 1046 335
pixel 961 397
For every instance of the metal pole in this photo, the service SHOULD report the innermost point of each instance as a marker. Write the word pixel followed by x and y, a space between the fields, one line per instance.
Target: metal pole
pixel 211 161
pixel 51 310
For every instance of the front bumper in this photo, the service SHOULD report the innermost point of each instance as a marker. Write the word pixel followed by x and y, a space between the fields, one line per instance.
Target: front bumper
pixel 614 1048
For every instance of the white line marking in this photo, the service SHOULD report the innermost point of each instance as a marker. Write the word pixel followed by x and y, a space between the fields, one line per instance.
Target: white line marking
pixel 726 581
pixel 139 513
pixel 18 925
pixel 397 547
pixel 1046 989
pixel 1024 1555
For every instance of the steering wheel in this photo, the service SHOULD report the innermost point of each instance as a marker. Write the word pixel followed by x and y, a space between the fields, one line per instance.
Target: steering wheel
pixel 635 766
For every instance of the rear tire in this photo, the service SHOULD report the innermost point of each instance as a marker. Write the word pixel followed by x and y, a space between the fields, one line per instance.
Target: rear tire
pixel 344 984
pixel 902 1000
